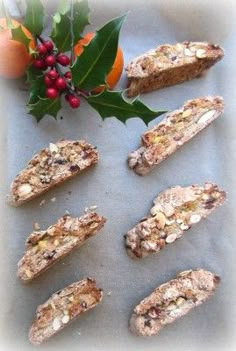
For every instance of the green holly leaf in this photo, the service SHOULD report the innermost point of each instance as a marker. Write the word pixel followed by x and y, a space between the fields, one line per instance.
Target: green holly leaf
pixel 19 35
pixel 93 65
pixel 32 73
pixel 34 17
pixel 113 104
pixel 37 90
pixel 45 106
pixel 80 18
pixel 61 34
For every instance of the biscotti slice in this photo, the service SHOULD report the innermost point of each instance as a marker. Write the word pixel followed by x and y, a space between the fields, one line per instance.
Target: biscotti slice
pixel 50 167
pixel 172 300
pixel 63 307
pixel 173 131
pixel 46 247
pixel 175 210
pixel 170 64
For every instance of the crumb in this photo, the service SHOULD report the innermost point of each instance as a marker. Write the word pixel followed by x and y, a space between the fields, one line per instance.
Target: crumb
pixel 90 209
pixel 53 199
pixel 36 226
pixel 42 203
pixel 109 293
pixel 67 212
pixel 61 117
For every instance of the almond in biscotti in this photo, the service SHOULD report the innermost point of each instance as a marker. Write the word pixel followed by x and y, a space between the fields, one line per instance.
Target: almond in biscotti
pixel 52 166
pixel 170 64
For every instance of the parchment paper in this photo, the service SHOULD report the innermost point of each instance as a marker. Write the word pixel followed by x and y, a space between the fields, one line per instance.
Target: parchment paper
pixel 124 198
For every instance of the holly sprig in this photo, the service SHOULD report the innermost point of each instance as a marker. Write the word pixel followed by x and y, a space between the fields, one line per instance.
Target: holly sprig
pixel 53 75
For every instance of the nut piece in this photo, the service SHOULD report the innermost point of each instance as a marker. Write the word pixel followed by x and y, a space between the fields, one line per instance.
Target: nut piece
pixel 53 148
pixel 56 324
pixel 207 116
pixel 195 218
pixel 160 219
pixel 171 238
pixel 24 189
pixel 65 319
pixel 200 53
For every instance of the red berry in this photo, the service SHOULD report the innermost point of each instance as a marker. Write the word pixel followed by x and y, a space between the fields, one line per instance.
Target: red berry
pixel 39 63
pixel 50 60
pixel 48 82
pixel 52 74
pixel 49 45
pixel 51 93
pixel 41 49
pixel 60 83
pixel 63 59
pixel 67 75
pixel 74 101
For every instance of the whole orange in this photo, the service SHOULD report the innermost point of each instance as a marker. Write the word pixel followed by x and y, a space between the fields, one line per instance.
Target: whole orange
pixel 14 57
pixel 117 68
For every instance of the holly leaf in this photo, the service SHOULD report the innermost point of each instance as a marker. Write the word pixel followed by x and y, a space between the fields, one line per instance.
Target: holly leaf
pixel 45 106
pixel 18 34
pixel 34 17
pixel 61 34
pixel 32 73
pixel 37 90
pixel 93 65
pixel 113 104
pixel 80 19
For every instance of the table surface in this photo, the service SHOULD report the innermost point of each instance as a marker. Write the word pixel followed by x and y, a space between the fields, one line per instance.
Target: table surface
pixel 123 197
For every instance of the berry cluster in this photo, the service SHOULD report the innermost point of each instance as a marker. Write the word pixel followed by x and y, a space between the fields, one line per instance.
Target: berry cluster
pixel 55 81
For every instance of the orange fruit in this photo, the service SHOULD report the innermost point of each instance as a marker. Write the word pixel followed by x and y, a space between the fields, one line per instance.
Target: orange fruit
pixel 14 57
pixel 117 68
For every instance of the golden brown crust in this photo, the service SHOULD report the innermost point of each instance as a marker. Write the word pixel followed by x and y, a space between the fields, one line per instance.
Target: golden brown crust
pixel 170 64
pixel 177 128
pixel 45 248
pixel 175 210
pixel 63 307
pixel 172 300
pixel 52 166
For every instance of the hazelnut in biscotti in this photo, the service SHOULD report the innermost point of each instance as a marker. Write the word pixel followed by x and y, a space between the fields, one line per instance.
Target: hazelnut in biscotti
pixel 50 167
pixel 170 64
pixel 173 131
pixel 62 308
pixel 45 247
pixel 175 210
pixel 173 300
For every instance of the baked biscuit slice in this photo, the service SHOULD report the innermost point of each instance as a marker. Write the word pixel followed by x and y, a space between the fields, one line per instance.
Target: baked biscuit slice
pixel 175 210
pixel 170 64
pixel 173 131
pixel 63 307
pixel 46 247
pixel 50 167
pixel 173 300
